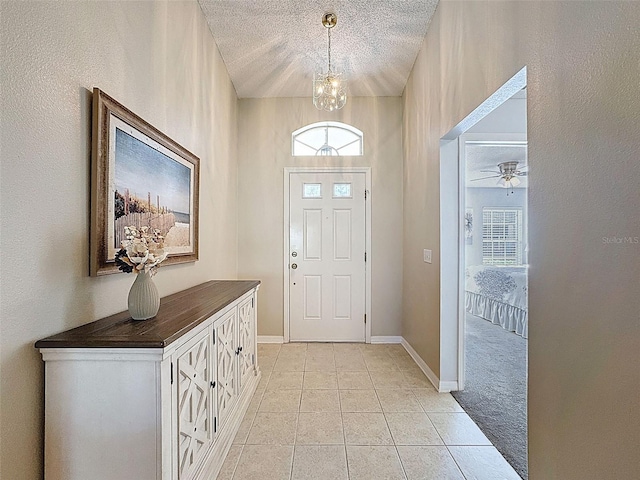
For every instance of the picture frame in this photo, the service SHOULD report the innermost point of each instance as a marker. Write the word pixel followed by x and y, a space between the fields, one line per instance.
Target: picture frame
pixel 468 226
pixel 141 177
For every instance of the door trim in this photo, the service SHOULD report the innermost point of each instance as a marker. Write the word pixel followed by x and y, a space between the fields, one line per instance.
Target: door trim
pixel 451 321
pixel 285 263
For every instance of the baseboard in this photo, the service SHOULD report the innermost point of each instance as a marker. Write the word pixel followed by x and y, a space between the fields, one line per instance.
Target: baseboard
pixel 442 387
pixel 387 339
pixel 270 339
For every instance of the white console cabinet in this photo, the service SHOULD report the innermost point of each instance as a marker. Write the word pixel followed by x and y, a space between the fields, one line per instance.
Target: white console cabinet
pixel 158 399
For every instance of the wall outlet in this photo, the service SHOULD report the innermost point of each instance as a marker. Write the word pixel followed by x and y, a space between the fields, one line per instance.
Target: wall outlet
pixel 427 255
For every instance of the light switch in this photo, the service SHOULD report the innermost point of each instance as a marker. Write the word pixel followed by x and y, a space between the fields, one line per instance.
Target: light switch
pixel 427 255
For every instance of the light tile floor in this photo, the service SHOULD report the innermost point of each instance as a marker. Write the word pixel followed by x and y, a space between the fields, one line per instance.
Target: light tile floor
pixel 327 411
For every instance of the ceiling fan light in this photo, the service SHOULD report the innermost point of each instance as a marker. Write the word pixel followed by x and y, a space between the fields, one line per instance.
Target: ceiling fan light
pixel 515 181
pixel 502 182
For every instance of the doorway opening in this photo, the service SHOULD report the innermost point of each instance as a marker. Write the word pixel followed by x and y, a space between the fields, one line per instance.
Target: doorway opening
pixel 327 245
pixel 484 318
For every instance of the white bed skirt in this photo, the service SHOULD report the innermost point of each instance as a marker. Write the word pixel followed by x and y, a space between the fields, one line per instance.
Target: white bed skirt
pixel 508 317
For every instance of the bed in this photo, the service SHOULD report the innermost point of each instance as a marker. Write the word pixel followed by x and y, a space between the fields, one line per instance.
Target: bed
pixel 499 295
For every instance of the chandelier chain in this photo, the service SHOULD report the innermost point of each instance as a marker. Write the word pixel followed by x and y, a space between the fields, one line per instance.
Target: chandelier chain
pixel 329 48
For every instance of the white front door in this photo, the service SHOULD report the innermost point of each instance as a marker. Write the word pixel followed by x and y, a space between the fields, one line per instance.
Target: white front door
pixel 327 257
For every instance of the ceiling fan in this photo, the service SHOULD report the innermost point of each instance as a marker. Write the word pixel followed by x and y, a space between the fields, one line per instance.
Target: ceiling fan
pixel 508 174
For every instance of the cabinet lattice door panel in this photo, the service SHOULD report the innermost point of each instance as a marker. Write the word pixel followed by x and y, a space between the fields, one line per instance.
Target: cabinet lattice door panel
pixel 195 424
pixel 246 337
pixel 225 335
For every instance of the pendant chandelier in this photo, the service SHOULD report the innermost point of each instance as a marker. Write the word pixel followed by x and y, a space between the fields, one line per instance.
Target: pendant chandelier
pixel 329 90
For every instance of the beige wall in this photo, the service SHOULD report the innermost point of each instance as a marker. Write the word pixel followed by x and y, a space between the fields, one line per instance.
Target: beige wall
pixel 264 138
pixel 583 67
pixel 158 59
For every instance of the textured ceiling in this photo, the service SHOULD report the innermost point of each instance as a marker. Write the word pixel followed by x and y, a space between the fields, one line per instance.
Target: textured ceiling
pixel 272 48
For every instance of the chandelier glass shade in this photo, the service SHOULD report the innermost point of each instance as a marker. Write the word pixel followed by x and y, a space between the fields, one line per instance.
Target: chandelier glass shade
pixel 329 89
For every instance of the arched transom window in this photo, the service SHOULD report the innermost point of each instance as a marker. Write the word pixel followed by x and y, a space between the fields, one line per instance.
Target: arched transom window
pixel 326 139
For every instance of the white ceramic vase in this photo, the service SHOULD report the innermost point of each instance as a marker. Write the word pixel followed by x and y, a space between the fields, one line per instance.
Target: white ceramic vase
pixel 144 300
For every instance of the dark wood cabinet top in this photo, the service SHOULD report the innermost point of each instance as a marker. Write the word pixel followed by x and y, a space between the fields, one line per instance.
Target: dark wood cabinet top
pixel 178 314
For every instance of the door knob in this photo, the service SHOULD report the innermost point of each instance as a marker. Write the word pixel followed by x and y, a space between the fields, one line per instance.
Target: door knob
pixel 294 266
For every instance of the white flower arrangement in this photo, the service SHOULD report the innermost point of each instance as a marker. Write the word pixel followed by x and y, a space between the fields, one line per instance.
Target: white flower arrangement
pixel 142 251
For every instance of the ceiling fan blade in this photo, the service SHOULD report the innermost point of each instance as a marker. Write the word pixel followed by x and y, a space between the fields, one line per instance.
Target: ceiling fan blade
pixel 522 174
pixel 484 178
pixel 491 171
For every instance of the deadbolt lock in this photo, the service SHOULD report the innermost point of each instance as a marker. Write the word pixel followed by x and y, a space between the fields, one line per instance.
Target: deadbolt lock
pixel 294 254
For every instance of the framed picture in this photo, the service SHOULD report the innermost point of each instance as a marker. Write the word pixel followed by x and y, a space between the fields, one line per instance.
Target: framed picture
pixel 140 177
pixel 468 226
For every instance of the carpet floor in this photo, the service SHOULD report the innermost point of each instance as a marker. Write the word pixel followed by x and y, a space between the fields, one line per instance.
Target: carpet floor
pixel 495 394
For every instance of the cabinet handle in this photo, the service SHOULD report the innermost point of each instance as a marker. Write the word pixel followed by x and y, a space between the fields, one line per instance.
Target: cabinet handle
pixel 240 348
pixel 213 384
